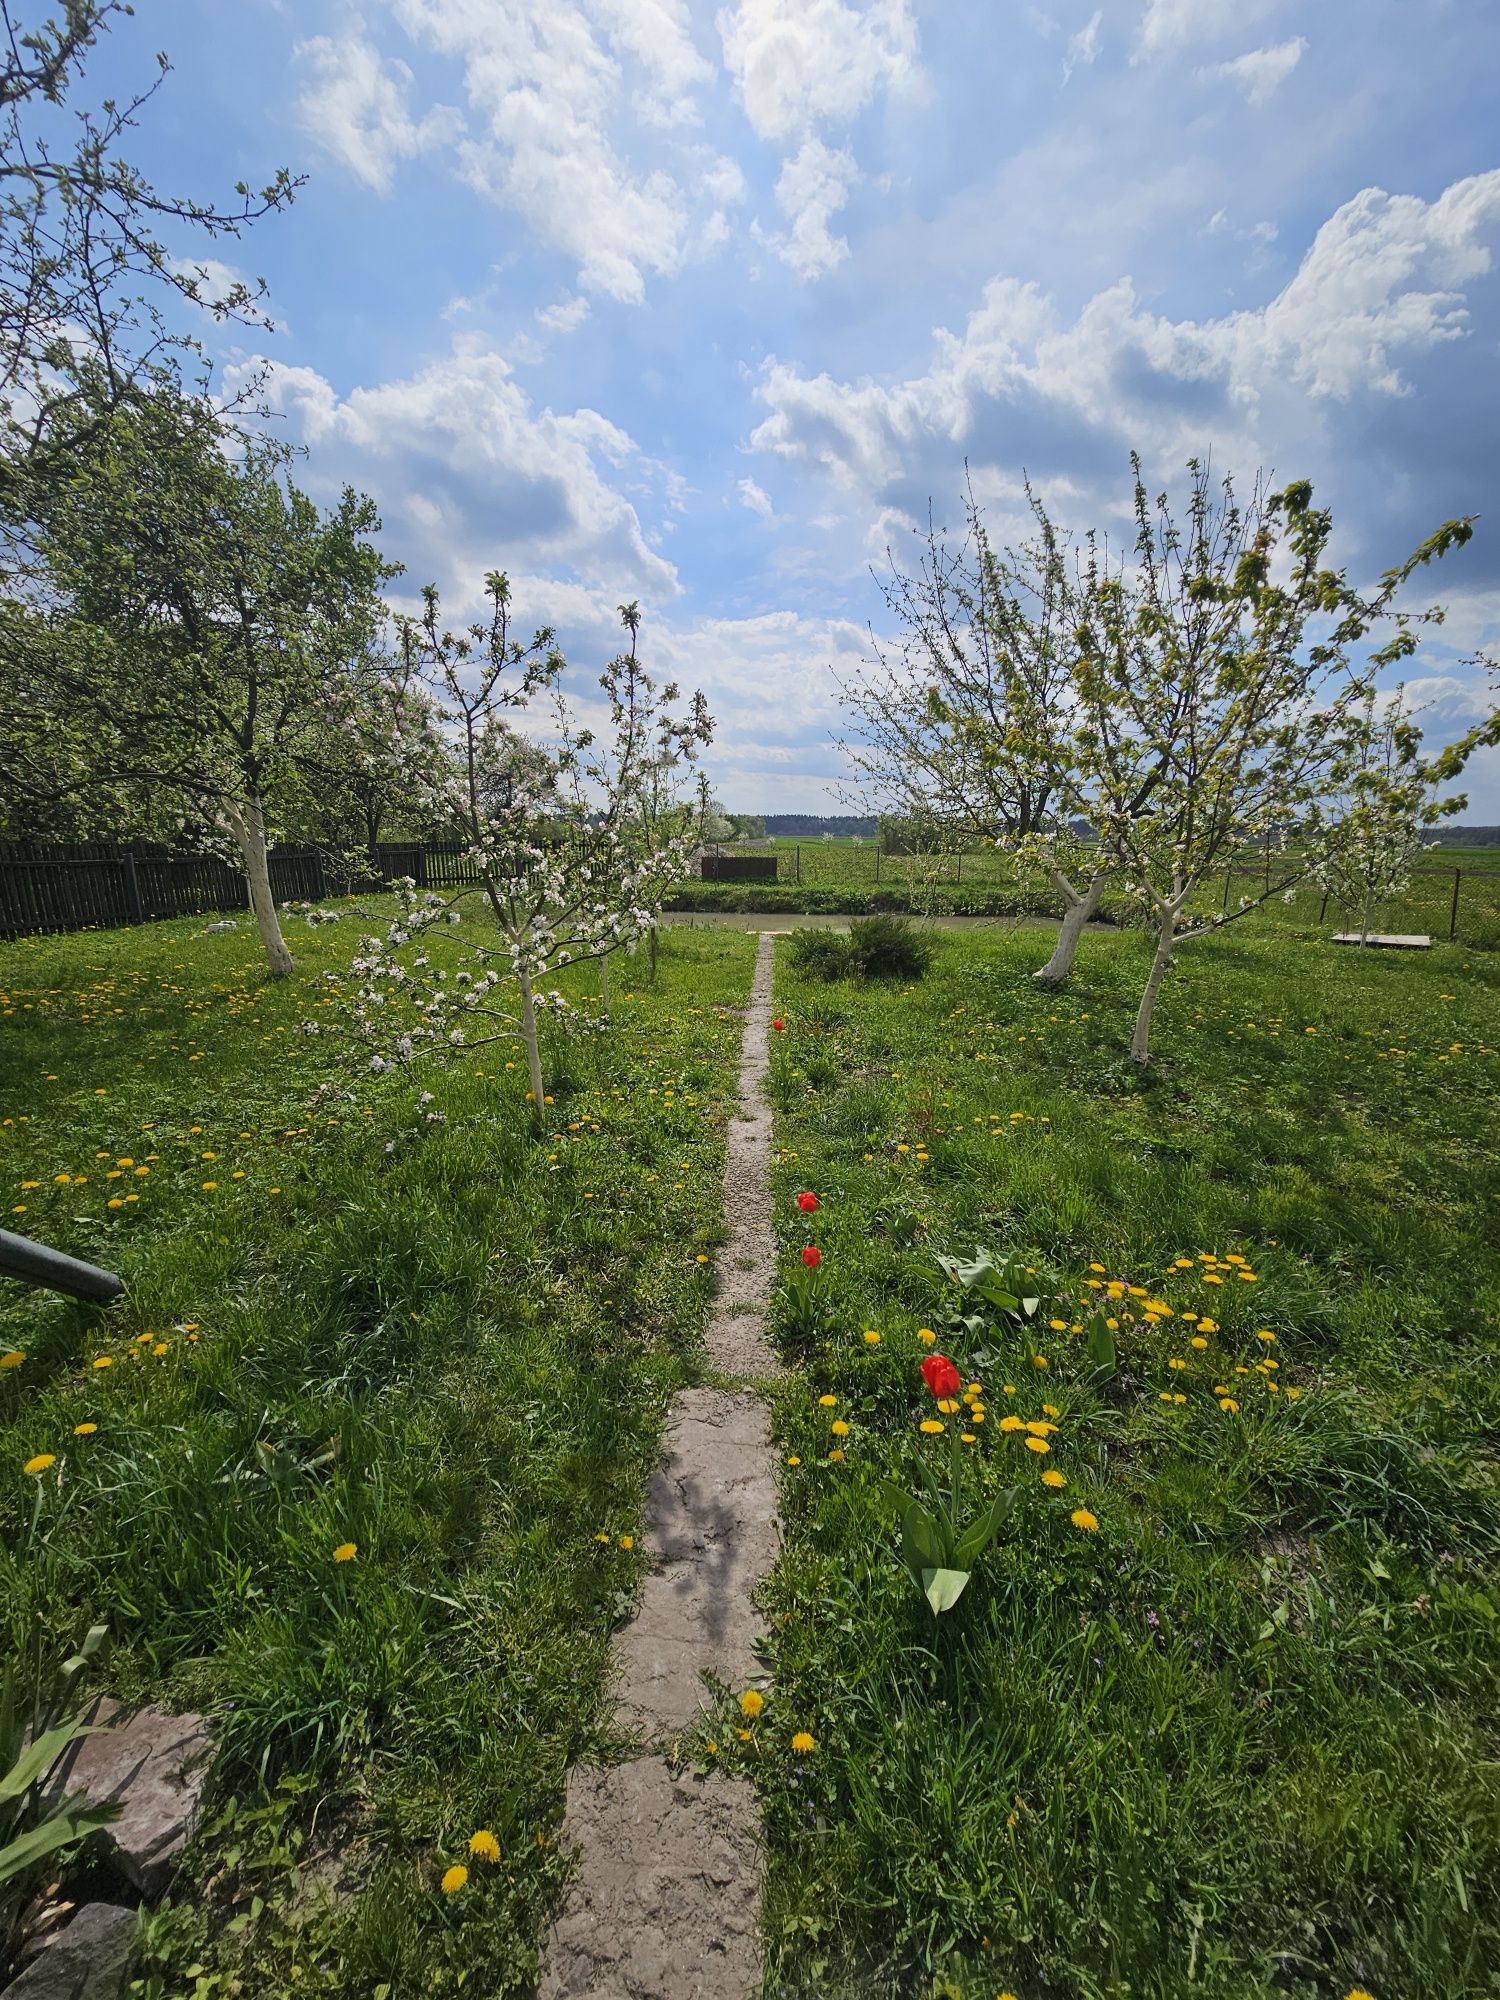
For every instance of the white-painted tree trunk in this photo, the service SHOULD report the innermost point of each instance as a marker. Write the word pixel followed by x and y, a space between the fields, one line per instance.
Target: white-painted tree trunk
pixel 1367 918
pixel 248 824
pixel 533 1046
pixel 1079 911
pixel 1140 1041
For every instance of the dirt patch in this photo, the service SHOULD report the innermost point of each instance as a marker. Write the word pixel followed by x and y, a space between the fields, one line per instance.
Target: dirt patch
pixel 665 1904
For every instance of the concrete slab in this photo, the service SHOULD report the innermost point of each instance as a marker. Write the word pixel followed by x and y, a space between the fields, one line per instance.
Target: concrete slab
pixel 1387 940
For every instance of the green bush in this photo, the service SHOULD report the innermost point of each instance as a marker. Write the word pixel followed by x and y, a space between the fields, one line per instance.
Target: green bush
pixel 822 955
pixel 889 948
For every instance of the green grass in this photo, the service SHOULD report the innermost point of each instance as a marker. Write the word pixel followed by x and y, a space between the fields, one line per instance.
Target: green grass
pixel 1241 1740
pixel 453 1351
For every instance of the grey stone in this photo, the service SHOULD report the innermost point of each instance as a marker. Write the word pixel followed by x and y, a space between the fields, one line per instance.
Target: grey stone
pixel 667 1906
pixel 155 1765
pixel 86 1960
pixel 711 1527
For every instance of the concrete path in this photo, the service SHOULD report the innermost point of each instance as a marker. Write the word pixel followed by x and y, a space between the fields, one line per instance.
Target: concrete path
pixel 665 1904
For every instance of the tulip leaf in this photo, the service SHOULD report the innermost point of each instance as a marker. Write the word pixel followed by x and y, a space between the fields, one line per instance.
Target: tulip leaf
pixel 943 1588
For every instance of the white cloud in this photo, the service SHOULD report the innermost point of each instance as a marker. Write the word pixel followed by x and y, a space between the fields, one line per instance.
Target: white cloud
pixel 1381 285
pixel 1261 72
pixel 560 93
pixel 756 499
pixel 813 186
pixel 1084 46
pixel 801 63
pixel 566 315
pixel 355 107
pixel 1171 24
pixel 470 474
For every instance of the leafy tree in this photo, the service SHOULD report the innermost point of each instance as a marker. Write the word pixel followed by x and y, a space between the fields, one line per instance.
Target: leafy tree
pixel 1385 815
pixel 1220 668
pixel 91 289
pixel 963 731
pixel 217 627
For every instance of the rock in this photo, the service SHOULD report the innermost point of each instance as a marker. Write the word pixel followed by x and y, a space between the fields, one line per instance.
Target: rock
pixel 85 1961
pixel 666 1903
pixel 155 1765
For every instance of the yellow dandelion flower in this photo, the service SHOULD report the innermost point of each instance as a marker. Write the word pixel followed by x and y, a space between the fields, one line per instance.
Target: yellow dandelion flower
pixel 1082 1518
pixel 41 1462
pixel 84 1430
pixel 104 1361
pixel 484 1846
pixel 872 1338
pixel 839 1428
pixel 627 1542
pixel 802 1744
pixel 1228 1403
pixel 827 1402
pixel 454 1879
pixel 926 1335
pixel 346 1552
pixel 1037 1444
pixel 752 1701
pixel 1198 1341
pixel 12 1359
pixel 794 1460
pixel 1053 1478
pixel 930 1427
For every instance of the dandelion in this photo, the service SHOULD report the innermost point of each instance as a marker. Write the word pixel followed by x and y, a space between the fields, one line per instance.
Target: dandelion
pixel 1038 1445
pixel 40 1463
pixel 1053 1478
pixel 752 1701
pixel 627 1542
pixel 930 1427
pixel 871 1337
pixel 1039 1361
pixel 802 1744
pixel 925 1334
pixel 839 1429
pixel 827 1402
pixel 1082 1518
pixel 12 1359
pixel 346 1552
pixel 1198 1341
pixel 484 1846
pixel 454 1879
pixel 84 1430
pixel 104 1361
pixel 794 1460
pixel 1228 1403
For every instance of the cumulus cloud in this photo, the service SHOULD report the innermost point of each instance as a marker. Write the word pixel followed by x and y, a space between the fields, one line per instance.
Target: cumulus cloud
pixel 355 104
pixel 566 315
pixel 1260 73
pixel 801 63
pixel 755 498
pixel 813 186
pixel 470 474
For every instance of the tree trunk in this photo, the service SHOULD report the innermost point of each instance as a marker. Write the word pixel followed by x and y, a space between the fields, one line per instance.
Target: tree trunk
pixel 248 824
pixel 1368 913
pixel 1140 1041
pixel 604 983
pixel 1079 912
pixel 653 951
pixel 533 1047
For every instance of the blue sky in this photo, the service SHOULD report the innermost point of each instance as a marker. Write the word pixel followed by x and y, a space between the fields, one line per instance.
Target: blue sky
pixel 699 303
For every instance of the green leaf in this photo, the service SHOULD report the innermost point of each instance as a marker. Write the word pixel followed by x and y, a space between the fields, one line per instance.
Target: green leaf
pixel 1101 1347
pixel 943 1588
pixel 38 1758
pixel 923 1544
pixel 61 1830
pixel 977 1537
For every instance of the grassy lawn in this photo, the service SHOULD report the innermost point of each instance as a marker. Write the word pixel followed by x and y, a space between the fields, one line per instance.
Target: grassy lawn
pixel 1239 1738
pixel 452 1352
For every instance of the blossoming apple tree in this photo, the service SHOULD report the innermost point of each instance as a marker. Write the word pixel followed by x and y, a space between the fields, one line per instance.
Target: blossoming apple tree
pixel 568 834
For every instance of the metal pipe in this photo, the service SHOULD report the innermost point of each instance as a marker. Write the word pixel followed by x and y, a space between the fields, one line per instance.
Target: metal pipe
pixel 52 1271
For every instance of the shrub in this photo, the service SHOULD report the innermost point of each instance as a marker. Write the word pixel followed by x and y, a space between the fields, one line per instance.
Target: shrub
pixel 889 947
pixel 822 955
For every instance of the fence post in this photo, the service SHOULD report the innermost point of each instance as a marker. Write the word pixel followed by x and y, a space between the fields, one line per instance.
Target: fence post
pixel 322 878
pixel 1458 876
pixel 133 889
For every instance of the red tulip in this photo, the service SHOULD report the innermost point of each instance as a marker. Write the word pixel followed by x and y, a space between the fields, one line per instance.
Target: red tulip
pixel 779 1026
pixel 807 1203
pixel 812 1257
pixel 940 1375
